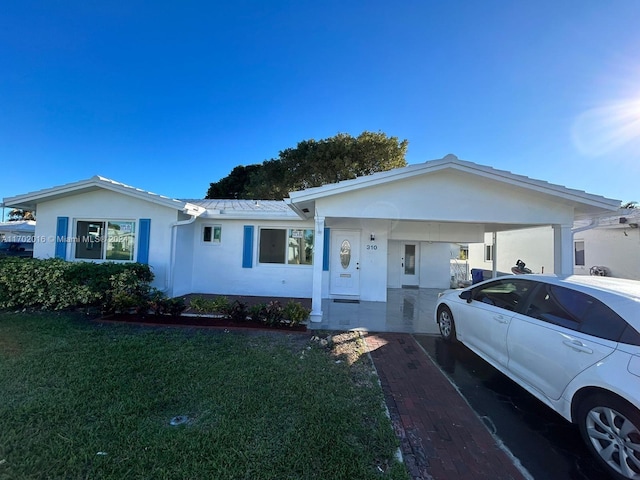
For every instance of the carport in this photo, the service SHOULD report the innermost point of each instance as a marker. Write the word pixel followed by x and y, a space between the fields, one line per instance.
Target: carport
pixel 394 229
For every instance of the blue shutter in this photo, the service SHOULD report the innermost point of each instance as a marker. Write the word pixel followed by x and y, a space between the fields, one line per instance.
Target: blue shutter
pixel 325 249
pixel 247 247
pixel 62 228
pixel 144 235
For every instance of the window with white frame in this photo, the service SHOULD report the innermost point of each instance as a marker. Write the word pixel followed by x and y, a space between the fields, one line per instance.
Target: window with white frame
pixel 212 234
pixel 286 246
pixel 578 253
pixel 488 253
pixel 112 240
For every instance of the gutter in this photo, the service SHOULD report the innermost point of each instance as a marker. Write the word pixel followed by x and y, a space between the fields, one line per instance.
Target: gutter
pixel 592 224
pixel 609 220
pixel 194 212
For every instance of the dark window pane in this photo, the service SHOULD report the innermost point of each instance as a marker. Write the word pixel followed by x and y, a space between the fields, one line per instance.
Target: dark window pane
pixel 600 321
pixel 207 234
pixel 630 336
pixel 89 240
pixel 545 306
pixel 272 245
pixel 409 259
pixel 579 253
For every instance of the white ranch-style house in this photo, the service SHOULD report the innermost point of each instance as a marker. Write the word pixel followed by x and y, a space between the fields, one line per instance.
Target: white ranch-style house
pixel 352 240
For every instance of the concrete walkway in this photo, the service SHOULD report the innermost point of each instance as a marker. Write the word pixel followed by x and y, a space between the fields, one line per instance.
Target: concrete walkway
pixel 441 436
pixel 408 310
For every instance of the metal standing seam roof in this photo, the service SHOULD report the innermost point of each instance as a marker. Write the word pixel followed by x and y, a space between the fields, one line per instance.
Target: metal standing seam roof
pixel 230 207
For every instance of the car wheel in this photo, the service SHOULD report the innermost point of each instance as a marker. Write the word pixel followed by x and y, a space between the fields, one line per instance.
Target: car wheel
pixel 610 427
pixel 446 324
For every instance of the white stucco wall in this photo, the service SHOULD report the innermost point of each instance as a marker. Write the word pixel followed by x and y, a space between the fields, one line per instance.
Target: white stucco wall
pixel 611 248
pixel 534 246
pixel 107 205
pixel 435 266
pixel 217 268
pixel 607 247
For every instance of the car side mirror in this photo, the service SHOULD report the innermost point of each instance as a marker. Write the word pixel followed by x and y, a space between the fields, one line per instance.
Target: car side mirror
pixel 466 295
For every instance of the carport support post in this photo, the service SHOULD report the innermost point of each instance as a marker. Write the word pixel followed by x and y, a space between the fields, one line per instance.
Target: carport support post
pixel 562 250
pixel 316 289
pixel 494 260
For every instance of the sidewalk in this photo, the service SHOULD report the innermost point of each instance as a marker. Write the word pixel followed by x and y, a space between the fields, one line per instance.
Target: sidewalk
pixel 441 437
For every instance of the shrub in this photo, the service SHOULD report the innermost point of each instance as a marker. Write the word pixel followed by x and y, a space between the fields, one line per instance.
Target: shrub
pixel 295 313
pixel 205 305
pixel 160 304
pixel 127 293
pixel 258 312
pixel 237 311
pixel 55 284
pixel 198 304
pixel 221 304
pixel 273 313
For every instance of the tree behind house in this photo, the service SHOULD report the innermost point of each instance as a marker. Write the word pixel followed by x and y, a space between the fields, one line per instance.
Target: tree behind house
pixel 312 164
pixel 18 214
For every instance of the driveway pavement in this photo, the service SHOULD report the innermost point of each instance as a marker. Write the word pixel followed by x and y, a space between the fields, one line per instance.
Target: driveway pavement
pixel 441 437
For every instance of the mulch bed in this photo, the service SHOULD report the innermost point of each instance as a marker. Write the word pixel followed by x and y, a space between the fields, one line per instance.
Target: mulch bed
pixel 211 322
pixel 190 321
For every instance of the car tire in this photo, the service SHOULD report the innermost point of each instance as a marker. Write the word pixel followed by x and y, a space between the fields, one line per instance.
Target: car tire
pixel 446 324
pixel 610 426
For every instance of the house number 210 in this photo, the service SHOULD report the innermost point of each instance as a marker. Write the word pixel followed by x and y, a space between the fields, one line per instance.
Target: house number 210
pixel 372 246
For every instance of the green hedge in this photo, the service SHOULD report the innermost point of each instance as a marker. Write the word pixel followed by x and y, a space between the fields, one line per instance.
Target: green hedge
pixel 54 284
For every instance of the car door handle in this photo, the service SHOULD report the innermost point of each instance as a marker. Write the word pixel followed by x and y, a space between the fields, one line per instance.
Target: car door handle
pixel 578 346
pixel 500 319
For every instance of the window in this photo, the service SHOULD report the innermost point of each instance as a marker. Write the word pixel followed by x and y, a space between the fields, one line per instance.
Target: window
pixel 212 234
pixel 577 311
pixel 286 246
pixel 578 253
pixel 488 253
pixel 105 240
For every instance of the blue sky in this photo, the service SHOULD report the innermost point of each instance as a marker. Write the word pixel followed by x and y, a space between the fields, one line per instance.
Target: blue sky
pixel 170 96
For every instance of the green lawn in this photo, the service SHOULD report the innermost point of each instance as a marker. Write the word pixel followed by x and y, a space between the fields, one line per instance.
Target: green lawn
pixel 86 400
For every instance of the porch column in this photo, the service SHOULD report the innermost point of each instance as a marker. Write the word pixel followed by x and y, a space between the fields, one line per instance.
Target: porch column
pixel 316 289
pixel 562 250
pixel 494 260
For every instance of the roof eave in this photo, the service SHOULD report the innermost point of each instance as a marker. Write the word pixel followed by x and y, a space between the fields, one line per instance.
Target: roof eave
pixel 571 195
pixel 30 200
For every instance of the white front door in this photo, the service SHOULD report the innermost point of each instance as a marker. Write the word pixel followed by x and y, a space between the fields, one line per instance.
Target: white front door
pixel 409 271
pixel 345 262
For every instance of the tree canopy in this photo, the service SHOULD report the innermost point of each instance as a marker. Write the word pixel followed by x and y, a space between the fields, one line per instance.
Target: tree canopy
pixel 312 164
pixel 18 214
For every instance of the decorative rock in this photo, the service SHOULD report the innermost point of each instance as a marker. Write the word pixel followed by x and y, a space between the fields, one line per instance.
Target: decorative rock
pixel 179 420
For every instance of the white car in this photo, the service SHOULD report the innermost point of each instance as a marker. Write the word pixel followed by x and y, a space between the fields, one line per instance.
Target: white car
pixel 573 342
